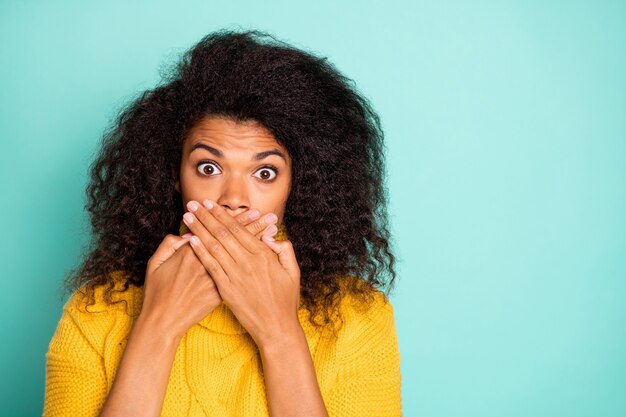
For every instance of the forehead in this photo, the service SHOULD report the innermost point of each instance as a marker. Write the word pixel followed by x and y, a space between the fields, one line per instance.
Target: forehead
pixel 229 134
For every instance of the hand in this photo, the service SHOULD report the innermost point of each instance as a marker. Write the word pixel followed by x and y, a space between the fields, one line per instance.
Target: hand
pixel 260 288
pixel 256 223
pixel 178 293
pixel 176 281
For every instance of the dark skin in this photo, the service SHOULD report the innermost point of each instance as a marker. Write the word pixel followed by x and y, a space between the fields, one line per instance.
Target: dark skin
pixel 228 258
pixel 238 165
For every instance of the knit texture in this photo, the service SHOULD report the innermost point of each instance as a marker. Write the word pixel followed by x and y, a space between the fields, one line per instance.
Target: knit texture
pixel 217 369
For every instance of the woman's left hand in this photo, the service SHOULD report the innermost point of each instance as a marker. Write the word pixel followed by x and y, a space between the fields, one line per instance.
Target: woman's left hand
pixel 260 288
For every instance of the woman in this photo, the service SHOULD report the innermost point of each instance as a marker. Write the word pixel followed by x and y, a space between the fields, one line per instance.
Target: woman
pixel 240 248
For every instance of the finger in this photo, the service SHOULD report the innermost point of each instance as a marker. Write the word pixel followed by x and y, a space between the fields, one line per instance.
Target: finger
pixel 165 250
pixel 212 266
pixel 248 217
pixel 262 224
pixel 214 245
pixel 269 231
pixel 256 224
pixel 286 255
pixel 231 234
pixel 220 232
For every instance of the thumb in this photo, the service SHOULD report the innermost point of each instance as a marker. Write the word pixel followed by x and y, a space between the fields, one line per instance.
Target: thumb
pixel 166 249
pixel 286 255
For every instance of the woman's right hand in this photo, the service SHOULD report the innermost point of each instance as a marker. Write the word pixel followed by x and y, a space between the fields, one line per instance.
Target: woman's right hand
pixel 178 291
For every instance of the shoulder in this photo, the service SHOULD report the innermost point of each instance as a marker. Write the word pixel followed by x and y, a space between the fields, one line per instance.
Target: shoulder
pixel 364 309
pixel 359 298
pixel 96 311
pixel 367 321
pixel 109 298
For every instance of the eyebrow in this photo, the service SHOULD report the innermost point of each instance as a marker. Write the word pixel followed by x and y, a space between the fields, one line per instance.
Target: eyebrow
pixel 255 157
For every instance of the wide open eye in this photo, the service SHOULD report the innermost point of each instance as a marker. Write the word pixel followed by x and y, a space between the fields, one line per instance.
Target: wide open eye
pixel 267 173
pixel 208 168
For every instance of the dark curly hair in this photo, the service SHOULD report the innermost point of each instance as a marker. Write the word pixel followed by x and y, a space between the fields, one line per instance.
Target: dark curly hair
pixel 335 215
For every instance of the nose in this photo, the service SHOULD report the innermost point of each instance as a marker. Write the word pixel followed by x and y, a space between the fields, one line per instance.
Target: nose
pixel 234 195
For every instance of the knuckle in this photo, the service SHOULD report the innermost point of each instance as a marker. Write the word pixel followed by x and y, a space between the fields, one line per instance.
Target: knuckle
pixel 221 233
pixel 213 268
pixel 242 218
pixel 256 227
pixel 215 247
pixel 236 228
pixel 170 239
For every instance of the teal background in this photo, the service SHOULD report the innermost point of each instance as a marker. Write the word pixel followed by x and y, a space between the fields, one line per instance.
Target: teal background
pixel 506 129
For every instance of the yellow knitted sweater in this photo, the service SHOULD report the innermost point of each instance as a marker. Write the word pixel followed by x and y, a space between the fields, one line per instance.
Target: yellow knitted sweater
pixel 217 369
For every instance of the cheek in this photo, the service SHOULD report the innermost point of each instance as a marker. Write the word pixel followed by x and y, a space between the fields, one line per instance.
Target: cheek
pixel 279 206
pixel 269 202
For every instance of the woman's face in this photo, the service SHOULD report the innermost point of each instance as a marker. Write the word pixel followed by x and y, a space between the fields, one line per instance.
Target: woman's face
pixel 238 165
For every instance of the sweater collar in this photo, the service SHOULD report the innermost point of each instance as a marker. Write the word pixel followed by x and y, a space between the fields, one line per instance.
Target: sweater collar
pixel 222 319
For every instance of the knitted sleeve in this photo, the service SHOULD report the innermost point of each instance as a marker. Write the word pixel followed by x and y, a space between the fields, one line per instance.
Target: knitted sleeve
pixel 368 382
pixel 75 375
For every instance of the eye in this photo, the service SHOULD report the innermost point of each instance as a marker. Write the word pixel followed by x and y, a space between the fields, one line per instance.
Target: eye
pixel 208 168
pixel 267 173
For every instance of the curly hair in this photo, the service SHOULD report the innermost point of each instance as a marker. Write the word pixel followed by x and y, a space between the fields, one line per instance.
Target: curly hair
pixel 335 215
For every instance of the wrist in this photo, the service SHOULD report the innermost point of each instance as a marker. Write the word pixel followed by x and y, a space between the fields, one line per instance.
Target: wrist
pixel 163 335
pixel 285 339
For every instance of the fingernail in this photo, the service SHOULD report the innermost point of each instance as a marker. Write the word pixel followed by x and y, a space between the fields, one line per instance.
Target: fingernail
pixel 193 206
pixel 271 218
pixel 194 240
pixel 186 235
pixel 188 218
pixel 208 204
pixel 254 214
